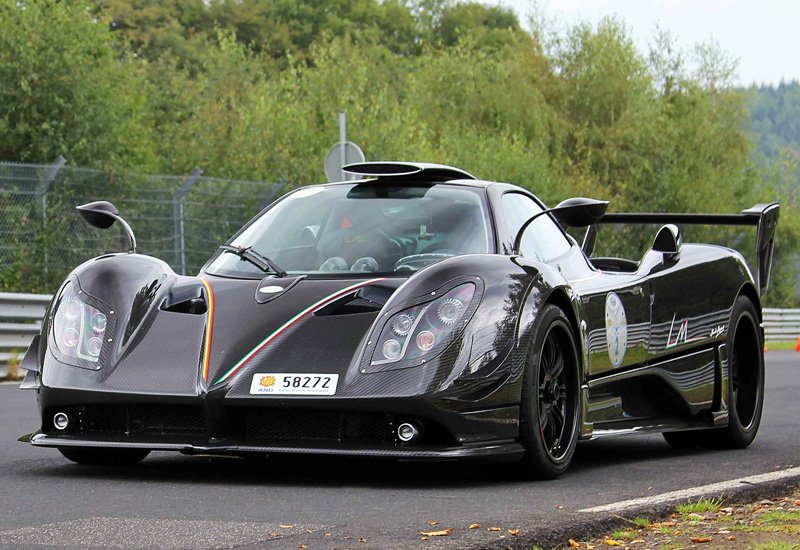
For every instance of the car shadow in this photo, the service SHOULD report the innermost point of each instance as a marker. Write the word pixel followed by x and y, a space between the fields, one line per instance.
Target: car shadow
pixel 323 471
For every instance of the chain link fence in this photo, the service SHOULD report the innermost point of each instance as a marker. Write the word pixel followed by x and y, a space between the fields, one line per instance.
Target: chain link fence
pixel 180 219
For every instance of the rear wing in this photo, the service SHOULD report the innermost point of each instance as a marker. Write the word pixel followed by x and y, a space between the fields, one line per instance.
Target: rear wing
pixel 763 216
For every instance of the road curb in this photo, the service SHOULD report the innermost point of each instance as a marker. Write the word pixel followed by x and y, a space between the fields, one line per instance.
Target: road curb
pixel 581 525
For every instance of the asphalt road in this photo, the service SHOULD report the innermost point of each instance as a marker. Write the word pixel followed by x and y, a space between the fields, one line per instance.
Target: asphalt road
pixel 173 501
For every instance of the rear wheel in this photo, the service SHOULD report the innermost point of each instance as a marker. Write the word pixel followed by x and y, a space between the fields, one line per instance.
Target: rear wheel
pixel 746 374
pixel 745 395
pixel 98 456
pixel 549 404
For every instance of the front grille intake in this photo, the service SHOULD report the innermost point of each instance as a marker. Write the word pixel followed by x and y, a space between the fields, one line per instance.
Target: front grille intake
pixel 308 425
pixel 133 420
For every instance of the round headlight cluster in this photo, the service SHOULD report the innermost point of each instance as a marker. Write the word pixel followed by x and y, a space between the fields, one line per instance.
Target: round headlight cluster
pixel 78 328
pixel 420 330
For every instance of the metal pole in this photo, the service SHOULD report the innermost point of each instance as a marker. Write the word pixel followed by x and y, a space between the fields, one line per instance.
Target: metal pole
pixel 42 189
pixel 342 140
pixel 178 202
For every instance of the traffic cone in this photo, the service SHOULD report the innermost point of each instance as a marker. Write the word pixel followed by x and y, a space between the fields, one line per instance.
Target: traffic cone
pixel 797 345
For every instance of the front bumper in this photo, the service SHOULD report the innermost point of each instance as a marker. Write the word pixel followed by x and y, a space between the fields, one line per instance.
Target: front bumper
pixel 350 427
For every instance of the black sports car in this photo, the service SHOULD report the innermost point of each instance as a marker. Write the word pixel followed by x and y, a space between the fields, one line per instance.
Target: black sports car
pixel 419 313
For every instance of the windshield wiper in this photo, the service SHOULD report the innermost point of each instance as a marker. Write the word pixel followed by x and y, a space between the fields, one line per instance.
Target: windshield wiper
pixel 249 255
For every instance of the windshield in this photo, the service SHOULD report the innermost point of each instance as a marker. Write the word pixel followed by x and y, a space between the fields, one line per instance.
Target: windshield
pixel 360 228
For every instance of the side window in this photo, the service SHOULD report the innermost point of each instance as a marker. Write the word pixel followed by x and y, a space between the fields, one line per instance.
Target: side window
pixel 543 240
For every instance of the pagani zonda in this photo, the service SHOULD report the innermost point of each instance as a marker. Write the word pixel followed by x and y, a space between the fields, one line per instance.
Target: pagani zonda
pixel 419 313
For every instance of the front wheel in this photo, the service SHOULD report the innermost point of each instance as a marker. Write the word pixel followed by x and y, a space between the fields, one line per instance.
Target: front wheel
pixel 98 456
pixel 550 397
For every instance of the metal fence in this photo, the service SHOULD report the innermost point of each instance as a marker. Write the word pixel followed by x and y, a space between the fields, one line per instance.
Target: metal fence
pixel 180 219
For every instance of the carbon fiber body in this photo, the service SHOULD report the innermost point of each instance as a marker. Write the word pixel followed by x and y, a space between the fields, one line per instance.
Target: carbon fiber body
pixel 182 356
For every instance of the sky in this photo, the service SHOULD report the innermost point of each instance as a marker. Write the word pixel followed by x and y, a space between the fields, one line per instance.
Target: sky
pixel 764 35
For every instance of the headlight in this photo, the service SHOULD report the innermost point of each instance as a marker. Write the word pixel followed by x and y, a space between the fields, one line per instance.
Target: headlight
pixel 425 329
pixel 78 328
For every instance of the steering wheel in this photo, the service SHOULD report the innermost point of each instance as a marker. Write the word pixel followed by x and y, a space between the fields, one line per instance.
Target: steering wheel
pixel 416 262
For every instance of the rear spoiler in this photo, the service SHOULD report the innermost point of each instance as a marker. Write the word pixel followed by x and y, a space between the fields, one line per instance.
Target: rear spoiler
pixel 764 216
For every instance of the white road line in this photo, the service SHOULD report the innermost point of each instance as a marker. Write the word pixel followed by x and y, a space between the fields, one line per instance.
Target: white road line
pixel 694 492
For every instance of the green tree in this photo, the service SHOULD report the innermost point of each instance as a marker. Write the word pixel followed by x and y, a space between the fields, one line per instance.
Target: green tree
pixel 65 90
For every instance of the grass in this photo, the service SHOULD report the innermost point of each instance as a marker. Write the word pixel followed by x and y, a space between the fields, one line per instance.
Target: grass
pixel 781 345
pixel 702 505
pixel 12 368
pixel 712 524
pixel 641 522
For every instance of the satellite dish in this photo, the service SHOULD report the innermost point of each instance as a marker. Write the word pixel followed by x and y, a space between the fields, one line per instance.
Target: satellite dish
pixel 341 154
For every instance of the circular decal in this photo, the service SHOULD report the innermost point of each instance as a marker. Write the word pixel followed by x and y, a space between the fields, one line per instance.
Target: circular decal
pixel 616 329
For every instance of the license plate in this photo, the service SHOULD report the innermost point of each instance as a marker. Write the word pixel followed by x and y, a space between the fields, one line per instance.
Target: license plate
pixel 272 383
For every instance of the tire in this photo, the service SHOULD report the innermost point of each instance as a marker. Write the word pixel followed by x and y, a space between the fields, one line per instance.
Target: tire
pixel 745 395
pixel 550 398
pixel 746 378
pixel 99 456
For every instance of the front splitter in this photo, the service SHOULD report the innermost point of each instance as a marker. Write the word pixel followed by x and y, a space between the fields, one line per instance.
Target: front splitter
pixel 506 449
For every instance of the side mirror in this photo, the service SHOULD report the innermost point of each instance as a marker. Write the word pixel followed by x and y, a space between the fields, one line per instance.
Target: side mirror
pixel 579 211
pixel 574 212
pixel 103 214
pixel 668 241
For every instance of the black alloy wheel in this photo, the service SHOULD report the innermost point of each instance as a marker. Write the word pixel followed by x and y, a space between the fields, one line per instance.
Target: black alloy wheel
pixel 550 397
pixel 745 392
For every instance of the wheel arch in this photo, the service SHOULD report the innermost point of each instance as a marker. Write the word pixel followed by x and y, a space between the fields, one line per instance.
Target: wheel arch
pixel 560 298
pixel 749 291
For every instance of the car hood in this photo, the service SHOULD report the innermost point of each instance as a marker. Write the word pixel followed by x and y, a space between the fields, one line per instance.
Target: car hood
pixel 190 335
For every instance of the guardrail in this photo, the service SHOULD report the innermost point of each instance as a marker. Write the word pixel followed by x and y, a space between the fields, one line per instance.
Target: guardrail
pixel 781 324
pixel 21 318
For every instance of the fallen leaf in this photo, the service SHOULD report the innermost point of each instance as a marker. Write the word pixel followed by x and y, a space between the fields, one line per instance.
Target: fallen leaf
pixel 287 525
pixel 440 533
pixel 474 526
pixel 663 524
pixel 494 529
pixel 573 543
pixel 362 539
pixel 696 516
pixel 514 532
pixel 637 541
pixel 612 542
pixel 797 502
pixel 302 546
pixel 309 530
pixel 731 537
pixel 698 540
pixel 326 534
pixel 432 522
pixel 273 533
pixel 425 538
